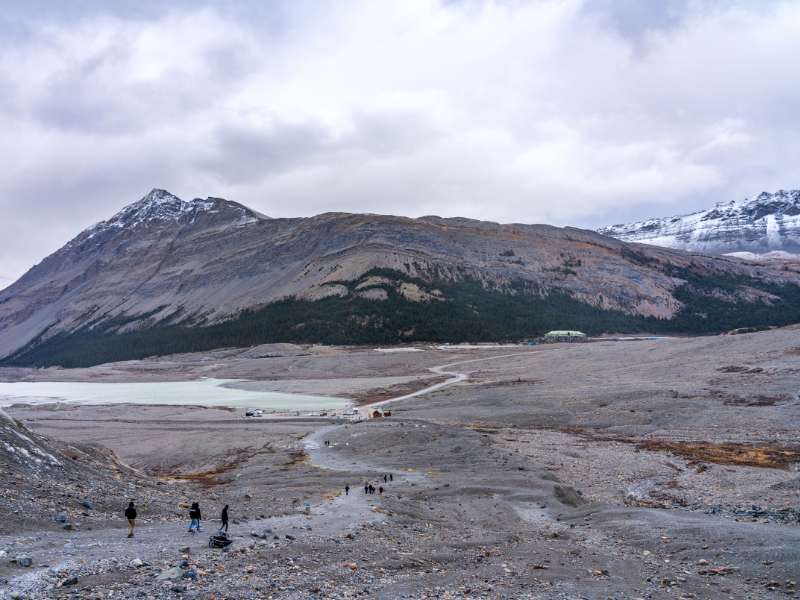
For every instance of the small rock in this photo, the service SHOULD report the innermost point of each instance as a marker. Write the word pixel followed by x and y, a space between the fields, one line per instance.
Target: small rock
pixel 173 574
pixel 70 581
pixel 137 562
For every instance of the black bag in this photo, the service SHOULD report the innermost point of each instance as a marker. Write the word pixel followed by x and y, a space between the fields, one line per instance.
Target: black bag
pixel 219 540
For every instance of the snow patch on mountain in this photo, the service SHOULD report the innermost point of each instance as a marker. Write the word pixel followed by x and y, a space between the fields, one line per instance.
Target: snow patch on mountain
pixel 160 206
pixel 770 221
pixel 775 255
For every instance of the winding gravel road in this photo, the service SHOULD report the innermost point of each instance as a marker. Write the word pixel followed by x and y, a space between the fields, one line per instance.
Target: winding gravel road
pixel 456 377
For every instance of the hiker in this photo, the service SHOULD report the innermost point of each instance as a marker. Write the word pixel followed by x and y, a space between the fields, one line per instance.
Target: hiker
pixel 130 514
pixel 224 519
pixel 366 488
pixel 380 490
pixel 195 516
pixel 346 490
pixel 385 478
pixel 390 477
pixel 371 489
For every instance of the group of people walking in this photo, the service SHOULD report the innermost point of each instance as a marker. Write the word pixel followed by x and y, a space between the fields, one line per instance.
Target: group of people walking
pixel 195 516
pixel 371 489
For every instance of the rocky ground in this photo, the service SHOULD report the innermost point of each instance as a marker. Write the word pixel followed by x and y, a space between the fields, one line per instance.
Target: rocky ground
pixel 641 469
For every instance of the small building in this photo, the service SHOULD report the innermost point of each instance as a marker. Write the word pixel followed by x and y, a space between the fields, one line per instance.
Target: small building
pixel 564 335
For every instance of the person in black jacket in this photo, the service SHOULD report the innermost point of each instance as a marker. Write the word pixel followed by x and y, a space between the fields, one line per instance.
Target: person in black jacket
pixel 224 519
pixel 195 516
pixel 130 514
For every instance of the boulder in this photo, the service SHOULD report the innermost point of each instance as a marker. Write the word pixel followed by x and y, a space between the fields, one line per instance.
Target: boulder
pixel 24 561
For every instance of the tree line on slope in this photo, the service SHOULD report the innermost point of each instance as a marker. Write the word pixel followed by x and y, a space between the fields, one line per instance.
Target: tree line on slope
pixel 469 313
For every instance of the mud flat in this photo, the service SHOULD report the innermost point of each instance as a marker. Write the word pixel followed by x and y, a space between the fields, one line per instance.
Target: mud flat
pixel 616 469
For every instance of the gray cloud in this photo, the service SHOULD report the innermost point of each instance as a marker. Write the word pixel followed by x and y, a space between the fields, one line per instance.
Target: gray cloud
pixel 564 111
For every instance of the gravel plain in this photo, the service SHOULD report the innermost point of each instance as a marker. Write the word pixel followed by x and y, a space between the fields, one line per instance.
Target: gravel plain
pixel 654 468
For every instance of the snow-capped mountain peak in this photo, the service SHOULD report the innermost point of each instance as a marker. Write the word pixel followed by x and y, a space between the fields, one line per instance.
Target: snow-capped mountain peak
pixel 770 221
pixel 157 205
pixel 159 208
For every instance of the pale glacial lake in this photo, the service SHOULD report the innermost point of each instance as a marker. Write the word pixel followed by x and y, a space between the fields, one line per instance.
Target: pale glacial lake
pixel 205 392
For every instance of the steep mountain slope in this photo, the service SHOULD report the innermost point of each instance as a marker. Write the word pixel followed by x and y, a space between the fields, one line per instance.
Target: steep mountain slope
pixel 165 275
pixel 768 222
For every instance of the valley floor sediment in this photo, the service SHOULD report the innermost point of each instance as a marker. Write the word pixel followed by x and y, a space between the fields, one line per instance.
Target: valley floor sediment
pixel 528 475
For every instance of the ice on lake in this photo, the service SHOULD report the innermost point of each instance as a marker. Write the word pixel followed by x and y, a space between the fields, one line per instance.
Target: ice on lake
pixel 204 392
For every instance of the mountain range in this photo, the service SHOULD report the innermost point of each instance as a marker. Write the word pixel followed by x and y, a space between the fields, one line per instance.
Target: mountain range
pixel 768 222
pixel 166 275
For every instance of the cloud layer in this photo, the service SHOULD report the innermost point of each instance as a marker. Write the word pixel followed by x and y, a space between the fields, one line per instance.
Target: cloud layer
pixel 558 111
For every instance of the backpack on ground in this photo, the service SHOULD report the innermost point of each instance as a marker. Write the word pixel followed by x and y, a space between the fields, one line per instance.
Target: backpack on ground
pixel 219 540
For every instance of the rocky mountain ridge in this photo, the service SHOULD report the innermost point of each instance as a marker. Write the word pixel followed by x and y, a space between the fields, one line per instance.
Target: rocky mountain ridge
pixel 768 222
pixel 174 276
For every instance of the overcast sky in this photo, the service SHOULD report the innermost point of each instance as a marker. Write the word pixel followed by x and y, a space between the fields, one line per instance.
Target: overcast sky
pixel 557 111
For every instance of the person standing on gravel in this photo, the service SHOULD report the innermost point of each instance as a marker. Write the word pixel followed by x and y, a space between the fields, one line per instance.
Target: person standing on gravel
pixel 224 519
pixel 130 514
pixel 346 490
pixel 194 515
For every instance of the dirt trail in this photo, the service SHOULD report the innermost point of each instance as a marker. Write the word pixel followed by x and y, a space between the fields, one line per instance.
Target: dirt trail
pixel 456 377
pixel 72 551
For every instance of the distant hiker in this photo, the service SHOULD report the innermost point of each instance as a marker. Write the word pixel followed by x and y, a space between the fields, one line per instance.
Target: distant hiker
pixel 366 488
pixel 390 477
pixel 130 514
pixel 347 490
pixel 380 490
pixel 385 478
pixel 195 516
pixel 371 489
pixel 224 519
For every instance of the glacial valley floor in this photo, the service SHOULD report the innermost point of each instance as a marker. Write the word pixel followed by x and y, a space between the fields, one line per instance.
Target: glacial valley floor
pixel 654 468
